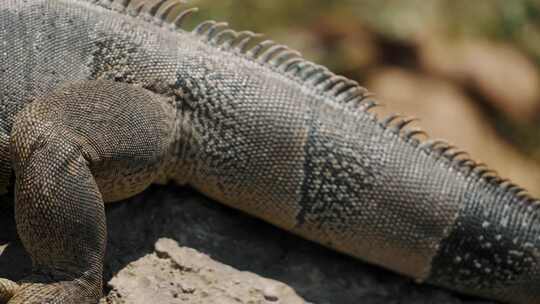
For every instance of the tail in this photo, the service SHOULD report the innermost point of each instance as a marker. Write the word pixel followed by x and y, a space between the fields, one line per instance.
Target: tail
pixel 424 209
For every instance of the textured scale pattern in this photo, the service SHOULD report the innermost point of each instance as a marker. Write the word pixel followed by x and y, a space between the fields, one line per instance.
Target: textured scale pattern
pixel 101 98
pixel 353 195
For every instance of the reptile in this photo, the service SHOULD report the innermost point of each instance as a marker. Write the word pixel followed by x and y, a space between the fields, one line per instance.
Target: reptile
pixel 100 99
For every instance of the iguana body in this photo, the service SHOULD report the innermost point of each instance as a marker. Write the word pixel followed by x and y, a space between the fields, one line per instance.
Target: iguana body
pixel 99 100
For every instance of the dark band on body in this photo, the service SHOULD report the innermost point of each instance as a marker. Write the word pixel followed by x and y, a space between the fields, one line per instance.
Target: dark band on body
pixel 491 248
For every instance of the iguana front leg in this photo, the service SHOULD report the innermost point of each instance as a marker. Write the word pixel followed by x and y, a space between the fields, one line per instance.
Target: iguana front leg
pixel 85 144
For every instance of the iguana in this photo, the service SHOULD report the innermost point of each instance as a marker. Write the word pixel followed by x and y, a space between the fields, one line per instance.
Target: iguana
pixel 101 98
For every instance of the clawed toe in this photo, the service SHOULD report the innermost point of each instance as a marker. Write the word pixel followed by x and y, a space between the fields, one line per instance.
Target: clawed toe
pixel 8 288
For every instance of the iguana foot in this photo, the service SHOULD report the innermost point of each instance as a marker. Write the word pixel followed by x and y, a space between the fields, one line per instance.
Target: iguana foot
pixel 8 289
pixel 45 289
pixel 71 149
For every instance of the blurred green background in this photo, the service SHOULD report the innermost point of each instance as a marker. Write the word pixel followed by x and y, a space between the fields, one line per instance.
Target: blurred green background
pixel 470 70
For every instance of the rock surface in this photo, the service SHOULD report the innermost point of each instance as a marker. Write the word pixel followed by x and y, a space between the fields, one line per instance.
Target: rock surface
pixel 135 269
pixel 174 274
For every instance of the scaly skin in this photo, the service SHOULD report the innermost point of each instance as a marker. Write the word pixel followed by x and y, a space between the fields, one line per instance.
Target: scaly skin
pixel 97 104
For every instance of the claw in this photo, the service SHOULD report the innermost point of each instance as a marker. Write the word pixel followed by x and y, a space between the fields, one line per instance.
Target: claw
pixel 8 289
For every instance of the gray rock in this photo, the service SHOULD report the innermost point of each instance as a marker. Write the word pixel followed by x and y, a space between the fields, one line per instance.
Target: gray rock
pixel 176 274
pixel 231 238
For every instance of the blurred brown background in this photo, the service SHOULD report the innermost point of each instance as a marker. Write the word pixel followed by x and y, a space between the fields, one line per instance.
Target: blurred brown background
pixel 470 70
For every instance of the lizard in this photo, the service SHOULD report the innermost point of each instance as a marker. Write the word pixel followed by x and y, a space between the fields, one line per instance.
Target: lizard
pixel 101 98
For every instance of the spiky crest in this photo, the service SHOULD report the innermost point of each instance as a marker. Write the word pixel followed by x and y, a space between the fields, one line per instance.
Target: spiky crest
pixel 289 62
